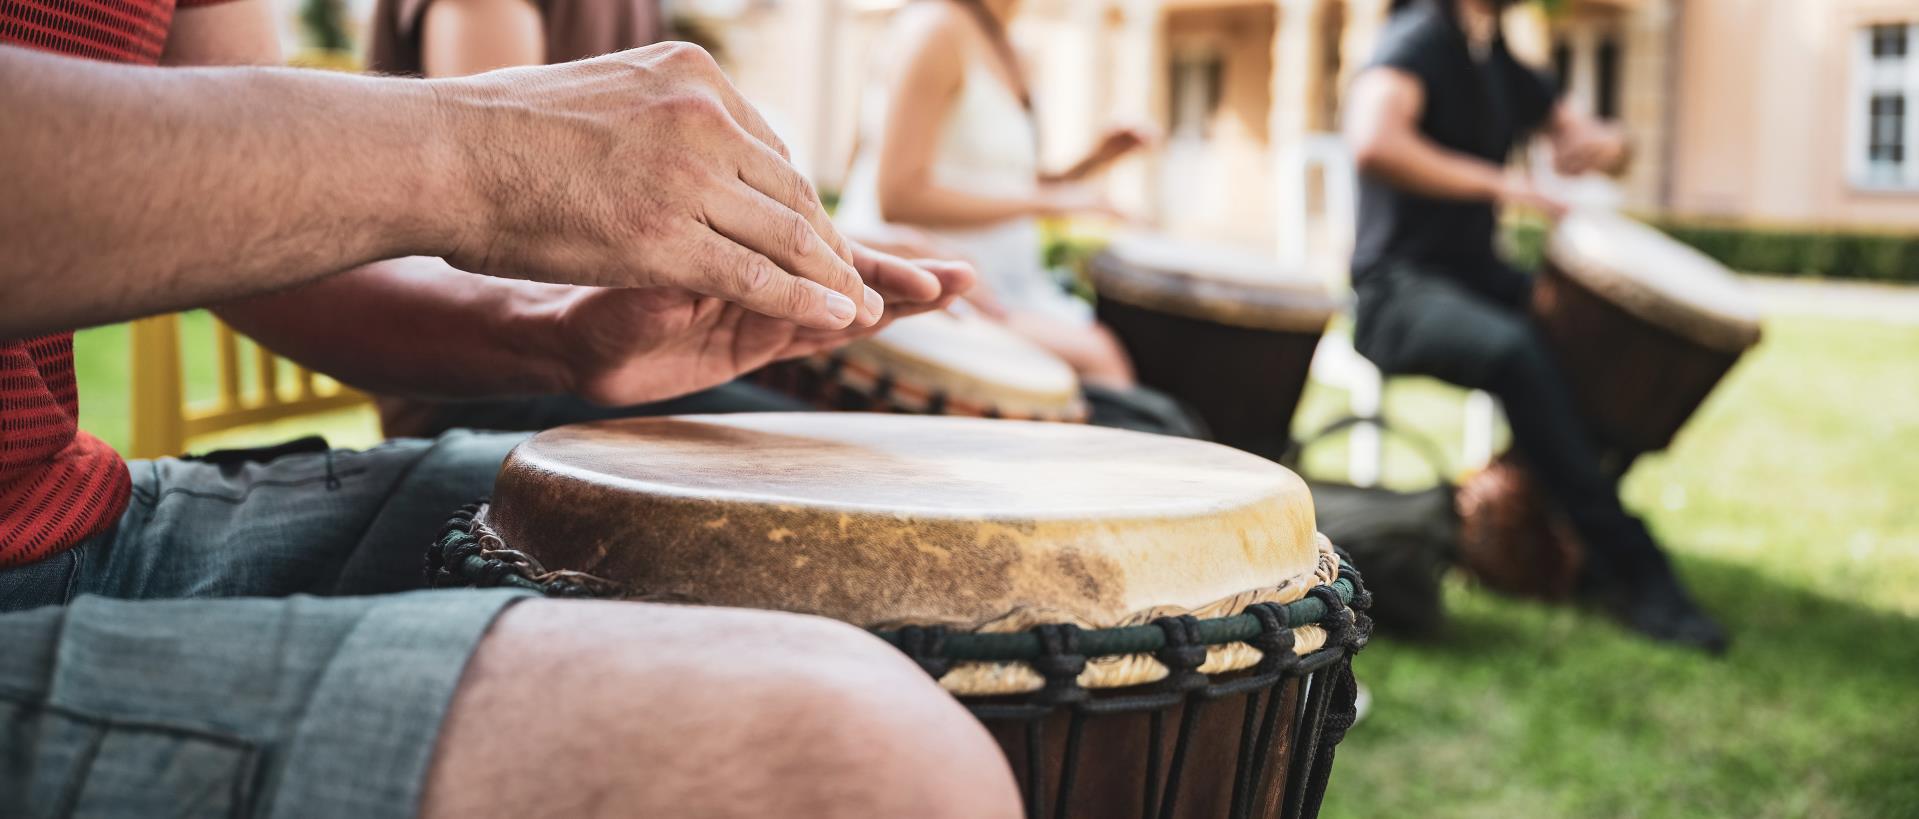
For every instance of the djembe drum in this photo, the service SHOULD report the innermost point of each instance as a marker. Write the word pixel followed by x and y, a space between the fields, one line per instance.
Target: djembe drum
pixel 1645 328
pixel 937 364
pixel 1228 332
pixel 1150 626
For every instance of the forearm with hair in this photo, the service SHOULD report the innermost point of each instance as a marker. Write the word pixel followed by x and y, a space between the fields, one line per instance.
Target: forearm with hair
pixel 135 191
pixel 417 327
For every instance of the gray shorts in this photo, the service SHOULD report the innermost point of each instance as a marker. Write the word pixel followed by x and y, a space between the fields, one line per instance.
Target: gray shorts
pixel 245 642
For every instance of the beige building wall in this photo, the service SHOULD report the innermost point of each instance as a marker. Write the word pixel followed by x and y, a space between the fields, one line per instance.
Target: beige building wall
pixel 1763 121
pixel 1741 110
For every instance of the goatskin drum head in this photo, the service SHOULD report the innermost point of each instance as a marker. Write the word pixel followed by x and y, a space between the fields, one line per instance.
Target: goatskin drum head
pixel 891 520
pixel 1655 277
pixel 1212 283
pixel 973 359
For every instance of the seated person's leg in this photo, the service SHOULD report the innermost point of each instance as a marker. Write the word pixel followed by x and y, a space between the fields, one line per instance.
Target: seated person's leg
pixel 623 709
pixel 1625 572
pixel 1091 349
pixel 1434 327
pixel 253 707
pixel 335 707
pixel 1437 328
pixel 326 522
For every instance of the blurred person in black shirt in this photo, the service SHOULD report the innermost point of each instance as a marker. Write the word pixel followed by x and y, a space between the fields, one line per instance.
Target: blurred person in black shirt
pixel 1431 122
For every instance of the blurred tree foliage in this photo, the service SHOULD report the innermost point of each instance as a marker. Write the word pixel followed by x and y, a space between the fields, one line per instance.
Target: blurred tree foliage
pixel 324 25
pixel 1835 254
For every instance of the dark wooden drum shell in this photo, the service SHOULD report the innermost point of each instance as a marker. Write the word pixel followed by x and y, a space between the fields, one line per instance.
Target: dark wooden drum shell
pixel 1244 383
pixel 1511 540
pixel 1644 326
pixel 1636 382
pixel 1118 773
pixel 1230 334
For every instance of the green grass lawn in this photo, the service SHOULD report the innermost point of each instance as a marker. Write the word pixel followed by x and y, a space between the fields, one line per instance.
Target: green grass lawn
pixel 1793 504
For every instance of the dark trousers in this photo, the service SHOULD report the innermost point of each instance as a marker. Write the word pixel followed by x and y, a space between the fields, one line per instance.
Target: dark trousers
pixel 1417 322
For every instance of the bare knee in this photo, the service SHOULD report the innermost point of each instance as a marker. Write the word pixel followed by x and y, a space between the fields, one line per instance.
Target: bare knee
pixel 629 709
pixel 1092 350
pixel 1108 362
pixel 891 740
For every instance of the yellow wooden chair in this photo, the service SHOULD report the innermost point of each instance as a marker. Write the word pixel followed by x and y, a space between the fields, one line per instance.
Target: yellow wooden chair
pixel 164 422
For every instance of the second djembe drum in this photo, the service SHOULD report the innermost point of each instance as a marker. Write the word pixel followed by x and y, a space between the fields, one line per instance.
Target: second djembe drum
pixel 937 364
pixel 1645 328
pixel 1150 626
pixel 1228 332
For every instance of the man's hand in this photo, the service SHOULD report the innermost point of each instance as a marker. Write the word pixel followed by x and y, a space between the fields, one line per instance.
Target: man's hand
pixel 645 169
pixel 1582 144
pixel 630 346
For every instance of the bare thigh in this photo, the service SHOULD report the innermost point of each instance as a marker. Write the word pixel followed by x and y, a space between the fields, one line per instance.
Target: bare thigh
pixel 632 709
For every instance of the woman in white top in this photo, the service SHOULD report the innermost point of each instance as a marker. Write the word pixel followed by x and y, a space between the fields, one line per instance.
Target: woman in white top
pixel 949 146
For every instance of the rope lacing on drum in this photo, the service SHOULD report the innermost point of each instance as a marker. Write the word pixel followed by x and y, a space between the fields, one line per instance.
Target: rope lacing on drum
pixel 1060 663
pixel 469 554
pixel 1183 653
pixel 1353 629
pixel 926 645
pixel 1274 641
pixel 1338 621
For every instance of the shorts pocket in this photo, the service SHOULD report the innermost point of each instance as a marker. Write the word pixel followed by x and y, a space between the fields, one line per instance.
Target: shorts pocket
pixel 88 768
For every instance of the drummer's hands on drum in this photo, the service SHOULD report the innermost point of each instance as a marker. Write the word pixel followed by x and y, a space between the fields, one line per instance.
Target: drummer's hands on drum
pixel 632 346
pixel 1584 145
pixel 645 168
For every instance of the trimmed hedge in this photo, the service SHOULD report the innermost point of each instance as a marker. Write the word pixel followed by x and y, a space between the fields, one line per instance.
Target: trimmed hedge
pixel 1828 254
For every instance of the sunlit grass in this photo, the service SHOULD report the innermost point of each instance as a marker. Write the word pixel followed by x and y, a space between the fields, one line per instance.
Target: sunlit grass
pixel 1792 502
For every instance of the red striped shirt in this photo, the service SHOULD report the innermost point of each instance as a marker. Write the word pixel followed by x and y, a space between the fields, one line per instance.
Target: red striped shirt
pixel 58 484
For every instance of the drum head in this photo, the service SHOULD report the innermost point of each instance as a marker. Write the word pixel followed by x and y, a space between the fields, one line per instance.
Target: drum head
pixel 1655 277
pixel 888 520
pixel 972 361
pixel 1212 283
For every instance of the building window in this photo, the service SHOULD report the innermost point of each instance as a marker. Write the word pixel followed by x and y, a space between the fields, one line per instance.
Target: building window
pixel 1886 142
pixel 1606 66
pixel 1198 81
pixel 1588 66
pixel 1888 42
pixel 1885 87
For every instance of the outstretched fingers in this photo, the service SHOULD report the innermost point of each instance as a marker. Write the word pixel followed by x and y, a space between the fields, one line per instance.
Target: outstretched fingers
pixel 753 281
pixel 770 229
